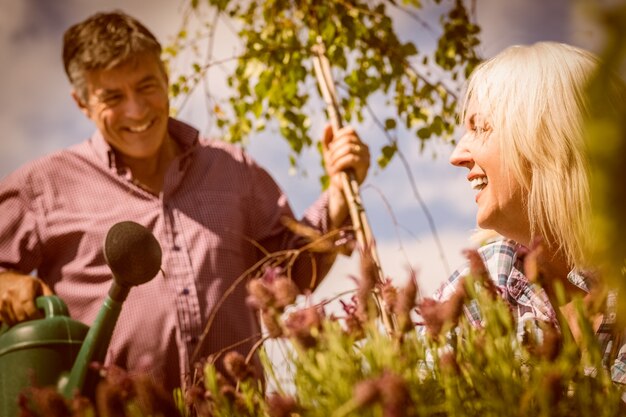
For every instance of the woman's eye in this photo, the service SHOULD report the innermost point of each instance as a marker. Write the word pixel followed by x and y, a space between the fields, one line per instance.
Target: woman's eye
pixel 477 125
pixel 481 129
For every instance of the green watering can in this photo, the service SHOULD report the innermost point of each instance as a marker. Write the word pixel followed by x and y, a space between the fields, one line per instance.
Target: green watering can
pixel 57 350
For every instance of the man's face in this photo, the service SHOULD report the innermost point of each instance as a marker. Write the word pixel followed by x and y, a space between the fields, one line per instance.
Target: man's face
pixel 129 105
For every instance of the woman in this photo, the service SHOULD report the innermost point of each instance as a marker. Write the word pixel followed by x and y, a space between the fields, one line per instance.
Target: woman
pixel 525 151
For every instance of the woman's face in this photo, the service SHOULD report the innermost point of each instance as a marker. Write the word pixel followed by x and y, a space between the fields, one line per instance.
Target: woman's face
pixel 499 196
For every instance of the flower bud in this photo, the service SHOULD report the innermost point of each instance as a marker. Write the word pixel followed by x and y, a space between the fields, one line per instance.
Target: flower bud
pixel 285 292
pixel 366 392
pixel 281 405
pixel 260 296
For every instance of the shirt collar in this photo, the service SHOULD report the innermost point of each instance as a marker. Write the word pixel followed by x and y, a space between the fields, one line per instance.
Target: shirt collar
pixel 186 136
pixel 582 279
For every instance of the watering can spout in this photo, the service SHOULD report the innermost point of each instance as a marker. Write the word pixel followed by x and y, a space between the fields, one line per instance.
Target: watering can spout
pixel 134 257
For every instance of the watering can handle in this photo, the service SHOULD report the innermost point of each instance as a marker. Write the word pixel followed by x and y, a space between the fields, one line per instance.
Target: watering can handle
pixel 52 306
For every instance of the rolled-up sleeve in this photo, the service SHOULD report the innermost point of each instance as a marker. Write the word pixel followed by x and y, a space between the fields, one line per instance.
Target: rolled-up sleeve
pixel 269 210
pixel 20 246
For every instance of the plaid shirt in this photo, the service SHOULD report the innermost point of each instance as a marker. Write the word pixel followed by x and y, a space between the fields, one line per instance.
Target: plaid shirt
pixel 530 303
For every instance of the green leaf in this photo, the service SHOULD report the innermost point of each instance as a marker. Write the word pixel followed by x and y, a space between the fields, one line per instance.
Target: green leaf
pixel 424 133
pixel 387 154
pixel 390 124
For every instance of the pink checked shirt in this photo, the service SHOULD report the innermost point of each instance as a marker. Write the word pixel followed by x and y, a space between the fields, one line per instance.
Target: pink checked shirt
pixel 215 202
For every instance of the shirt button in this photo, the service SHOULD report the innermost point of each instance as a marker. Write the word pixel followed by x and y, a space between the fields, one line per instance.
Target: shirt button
pixel 185 291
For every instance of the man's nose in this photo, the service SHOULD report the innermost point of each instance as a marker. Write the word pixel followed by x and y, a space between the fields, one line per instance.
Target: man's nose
pixel 136 106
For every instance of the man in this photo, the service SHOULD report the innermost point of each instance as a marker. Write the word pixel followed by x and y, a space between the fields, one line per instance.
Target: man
pixel 208 204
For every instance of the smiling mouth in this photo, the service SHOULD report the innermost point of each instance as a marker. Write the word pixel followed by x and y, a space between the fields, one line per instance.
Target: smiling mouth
pixel 479 183
pixel 141 128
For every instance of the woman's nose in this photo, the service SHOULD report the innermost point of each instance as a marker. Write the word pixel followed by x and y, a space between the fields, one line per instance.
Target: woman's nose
pixel 461 156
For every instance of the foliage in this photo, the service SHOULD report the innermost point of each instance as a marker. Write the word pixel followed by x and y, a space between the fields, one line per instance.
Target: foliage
pixel 606 141
pixel 346 366
pixel 273 78
pixel 119 394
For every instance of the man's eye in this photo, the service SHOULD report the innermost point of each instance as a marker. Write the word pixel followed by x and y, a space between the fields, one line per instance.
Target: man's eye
pixel 147 88
pixel 112 99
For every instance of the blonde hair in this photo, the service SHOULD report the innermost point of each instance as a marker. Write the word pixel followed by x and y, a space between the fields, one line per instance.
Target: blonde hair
pixel 534 97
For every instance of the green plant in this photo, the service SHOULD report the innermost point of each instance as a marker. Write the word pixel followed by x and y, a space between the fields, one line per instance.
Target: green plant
pixel 606 141
pixel 348 366
pixel 273 77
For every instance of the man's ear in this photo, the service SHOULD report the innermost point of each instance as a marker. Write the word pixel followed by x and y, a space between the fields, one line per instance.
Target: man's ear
pixel 81 104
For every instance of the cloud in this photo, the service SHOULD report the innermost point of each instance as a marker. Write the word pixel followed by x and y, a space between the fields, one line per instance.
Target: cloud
pixel 506 23
pixel 34 90
pixel 10 20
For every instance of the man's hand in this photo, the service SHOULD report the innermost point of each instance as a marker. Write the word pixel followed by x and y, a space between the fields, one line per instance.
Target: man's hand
pixel 17 297
pixel 343 151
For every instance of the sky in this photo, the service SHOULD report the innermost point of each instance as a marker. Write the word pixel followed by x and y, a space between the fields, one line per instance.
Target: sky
pixel 38 117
